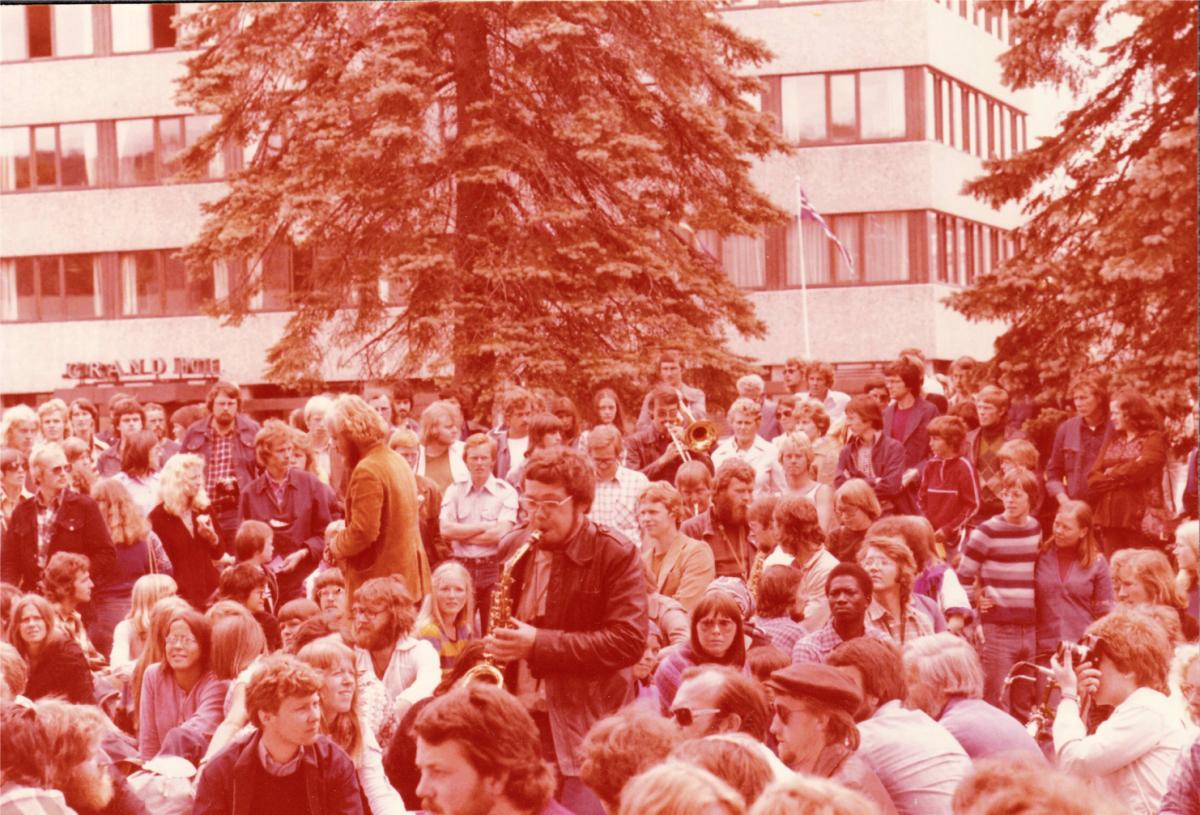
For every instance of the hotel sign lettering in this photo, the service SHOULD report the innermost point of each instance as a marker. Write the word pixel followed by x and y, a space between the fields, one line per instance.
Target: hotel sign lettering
pixel 150 368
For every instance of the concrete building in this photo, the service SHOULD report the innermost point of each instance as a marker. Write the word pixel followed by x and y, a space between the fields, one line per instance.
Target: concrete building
pixel 894 103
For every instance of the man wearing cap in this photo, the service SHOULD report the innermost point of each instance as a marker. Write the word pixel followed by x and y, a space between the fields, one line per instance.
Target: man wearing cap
pixel 814 726
pixel 848 590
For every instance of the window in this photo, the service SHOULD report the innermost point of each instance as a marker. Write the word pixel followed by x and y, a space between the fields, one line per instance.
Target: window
pixel 156 283
pixel 48 156
pixel 141 27
pixel 135 151
pixel 843 108
pixel 817 268
pixel 39 31
pixel 745 260
pixel 882 95
pixel 848 228
pixel 885 247
pixel 803 107
pixel 194 127
pixel 50 288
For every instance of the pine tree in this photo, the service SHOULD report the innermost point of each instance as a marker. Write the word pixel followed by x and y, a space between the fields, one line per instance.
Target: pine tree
pixel 527 177
pixel 1105 276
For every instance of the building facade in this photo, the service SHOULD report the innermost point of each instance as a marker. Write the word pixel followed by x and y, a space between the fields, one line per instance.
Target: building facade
pixel 893 104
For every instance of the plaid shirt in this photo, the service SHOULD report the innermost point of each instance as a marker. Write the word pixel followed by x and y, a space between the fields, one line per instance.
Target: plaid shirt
pixel 615 504
pixel 781 631
pixel 817 646
pixel 46 513
pixel 220 460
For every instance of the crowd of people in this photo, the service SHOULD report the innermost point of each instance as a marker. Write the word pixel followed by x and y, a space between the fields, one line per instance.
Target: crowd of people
pixel 808 602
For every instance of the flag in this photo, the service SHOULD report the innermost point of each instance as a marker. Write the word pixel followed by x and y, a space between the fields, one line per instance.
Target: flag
pixel 809 212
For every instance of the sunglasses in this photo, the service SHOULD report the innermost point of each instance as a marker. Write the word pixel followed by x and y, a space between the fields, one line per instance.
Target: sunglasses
pixel 686 716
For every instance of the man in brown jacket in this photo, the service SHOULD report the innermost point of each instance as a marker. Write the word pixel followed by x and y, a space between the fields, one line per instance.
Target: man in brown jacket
pixel 380 535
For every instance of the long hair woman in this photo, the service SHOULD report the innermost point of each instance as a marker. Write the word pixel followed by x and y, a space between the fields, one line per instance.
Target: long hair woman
pixel 238 643
pixel 341 721
pixel 1187 553
pixel 717 638
pixel 153 648
pixel 131 633
pixel 57 665
pixel 606 410
pixel 936 587
pixel 893 609
pixel 139 468
pixel 448 613
pixel 139 552
pixel 1074 587
pixel 186 531
pixel 182 699
pixel 1145 577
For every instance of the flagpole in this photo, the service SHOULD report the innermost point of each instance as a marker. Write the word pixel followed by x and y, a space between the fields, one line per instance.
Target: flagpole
pixel 803 271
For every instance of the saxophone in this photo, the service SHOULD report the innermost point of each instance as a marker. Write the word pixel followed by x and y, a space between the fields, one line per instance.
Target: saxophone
pixel 756 570
pixel 500 616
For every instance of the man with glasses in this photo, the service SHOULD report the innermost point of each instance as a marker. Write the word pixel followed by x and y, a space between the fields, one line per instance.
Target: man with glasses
pixel 55 519
pixel 579 603
pixel 814 726
pixel 475 515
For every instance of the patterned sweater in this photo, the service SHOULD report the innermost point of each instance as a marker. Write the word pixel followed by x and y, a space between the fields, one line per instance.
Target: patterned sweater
pixel 1003 556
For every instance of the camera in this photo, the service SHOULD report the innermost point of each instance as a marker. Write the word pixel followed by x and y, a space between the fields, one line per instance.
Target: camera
pixel 1086 650
pixel 225 494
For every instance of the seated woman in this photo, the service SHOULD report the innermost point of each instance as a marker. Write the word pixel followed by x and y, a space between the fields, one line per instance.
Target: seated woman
pixel 717 638
pixel 855 508
pixel 676 565
pixel 57 666
pixel 447 613
pixel 182 700
pixel 894 609
pixel 1131 754
pixel 139 552
pixel 342 721
pixel 237 645
pixel 186 531
pixel 936 585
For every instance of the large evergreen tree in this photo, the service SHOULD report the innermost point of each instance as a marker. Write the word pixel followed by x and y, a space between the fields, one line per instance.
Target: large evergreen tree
pixel 1106 272
pixel 526 176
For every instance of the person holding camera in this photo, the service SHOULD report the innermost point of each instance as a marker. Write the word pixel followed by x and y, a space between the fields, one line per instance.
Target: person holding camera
pixel 1123 662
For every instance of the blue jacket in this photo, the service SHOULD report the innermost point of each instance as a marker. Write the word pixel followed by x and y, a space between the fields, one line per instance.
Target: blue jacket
pixel 887 460
pixel 198 440
pixel 299 524
pixel 1068 462
pixel 916 432
pixel 226 785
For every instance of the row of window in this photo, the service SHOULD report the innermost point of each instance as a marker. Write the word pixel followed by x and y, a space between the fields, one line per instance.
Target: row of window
pixel 101 154
pixel 915 246
pixel 892 104
pixel 886 247
pixel 80 29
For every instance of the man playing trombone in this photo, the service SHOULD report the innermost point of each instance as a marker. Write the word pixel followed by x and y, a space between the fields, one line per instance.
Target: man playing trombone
pixel 659 450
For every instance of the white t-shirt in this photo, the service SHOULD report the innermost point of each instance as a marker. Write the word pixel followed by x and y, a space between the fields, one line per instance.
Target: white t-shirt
pixel 517 448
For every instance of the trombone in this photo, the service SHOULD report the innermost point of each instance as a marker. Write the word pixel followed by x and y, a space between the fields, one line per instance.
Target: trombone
pixel 691 436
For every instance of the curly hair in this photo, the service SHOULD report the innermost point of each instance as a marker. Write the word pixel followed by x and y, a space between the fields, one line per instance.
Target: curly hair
pixel 566 468
pixel 126 523
pixel 61 572
pixel 497 736
pixel 813 411
pixel 390 594
pixel 622 745
pixel 174 490
pixel 798 523
pixel 733 469
pixel 359 423
pixel 280 677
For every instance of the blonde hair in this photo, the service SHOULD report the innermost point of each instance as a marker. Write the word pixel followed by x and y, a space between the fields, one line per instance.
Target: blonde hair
pixel 54 406
pixel 161 615
pixel 1152 569
pixel 12 416
pixel 434 412
pixel 1019 452
pixel 346 729
pixel 430 613
pixel 173 490
pixel 403 437
pixel 745 406
pixel 236 642
pixel 126 523
pixel 897 551
pixel 1188 534
pixel 73 734
pixel 357 421
pixel 679 788
pixel 858 493
pixel 799 794
pixel 148 590
pixel 660 492
pixel 796 442
pixel 946 664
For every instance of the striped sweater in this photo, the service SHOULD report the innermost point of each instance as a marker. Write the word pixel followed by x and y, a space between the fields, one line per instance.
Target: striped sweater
pixel 1003 556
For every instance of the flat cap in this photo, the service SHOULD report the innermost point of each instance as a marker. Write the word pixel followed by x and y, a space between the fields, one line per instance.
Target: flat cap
pixel 822 683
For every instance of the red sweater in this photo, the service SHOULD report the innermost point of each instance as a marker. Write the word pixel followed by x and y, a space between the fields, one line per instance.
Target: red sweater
pixel 949 495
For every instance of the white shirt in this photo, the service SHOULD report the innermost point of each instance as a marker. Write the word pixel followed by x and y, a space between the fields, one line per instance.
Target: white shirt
pixel 493 503
pixel 761 455
pixel 615 504
pixel 412 673
pixel 517 448
pixel 1130 754
pixel 834 403
pixel 918 761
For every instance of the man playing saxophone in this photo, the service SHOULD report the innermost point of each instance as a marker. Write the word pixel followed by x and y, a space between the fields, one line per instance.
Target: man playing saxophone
pixel 579 612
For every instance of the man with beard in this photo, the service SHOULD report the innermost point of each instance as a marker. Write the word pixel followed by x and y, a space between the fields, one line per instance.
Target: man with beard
pixel 579 606
pixel 156 420
pixel 285 767
pixel 478 752
pixel 848 590
pixel 725 527
pixel 225 440
pixel 380 535
pixel 653 450
pixel 796 525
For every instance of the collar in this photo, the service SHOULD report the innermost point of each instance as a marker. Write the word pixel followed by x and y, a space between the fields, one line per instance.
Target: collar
pixel 273 767
pixel 283 482
pixel 489 486
pixel 55 505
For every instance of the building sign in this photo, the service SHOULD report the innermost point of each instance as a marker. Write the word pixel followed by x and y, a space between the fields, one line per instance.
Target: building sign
pixel 148 369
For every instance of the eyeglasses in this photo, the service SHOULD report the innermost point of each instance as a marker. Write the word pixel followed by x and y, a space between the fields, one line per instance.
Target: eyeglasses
pixel 58 469
pixel 784 713
pixel 716 623
pixel 875 563
pixel 181 640
pixel 532 504
pixel 686 716
pixel 362 611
